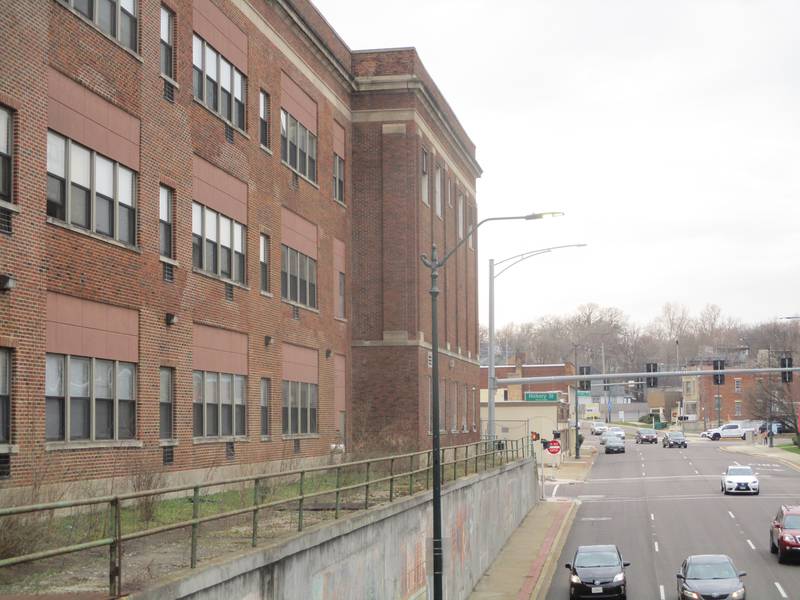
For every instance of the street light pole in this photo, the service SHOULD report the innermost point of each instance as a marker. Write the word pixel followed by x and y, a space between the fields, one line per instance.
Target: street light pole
pixel 492 379
pixel 434 263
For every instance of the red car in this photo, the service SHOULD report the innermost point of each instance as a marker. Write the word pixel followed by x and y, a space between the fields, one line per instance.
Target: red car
pixel 784 533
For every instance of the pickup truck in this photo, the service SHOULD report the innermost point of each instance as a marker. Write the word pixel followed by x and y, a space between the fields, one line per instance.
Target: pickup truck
pixel 729 431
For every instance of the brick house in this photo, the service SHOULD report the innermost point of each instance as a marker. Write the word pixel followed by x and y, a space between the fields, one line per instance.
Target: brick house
pixel 192 195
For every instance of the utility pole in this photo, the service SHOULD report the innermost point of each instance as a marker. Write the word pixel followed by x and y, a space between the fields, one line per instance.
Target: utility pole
pixel 577 428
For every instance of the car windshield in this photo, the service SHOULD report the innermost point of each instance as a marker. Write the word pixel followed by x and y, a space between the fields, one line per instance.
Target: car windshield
pixel 647 431
pixel 791 522
pixel 677 435
pixel 714 570
pixel 597 559
pixel 740 471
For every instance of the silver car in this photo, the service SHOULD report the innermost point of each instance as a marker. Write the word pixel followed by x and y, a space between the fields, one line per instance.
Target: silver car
pixel 610 434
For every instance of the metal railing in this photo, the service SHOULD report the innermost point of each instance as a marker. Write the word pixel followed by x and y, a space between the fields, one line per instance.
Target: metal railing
pixel 484 454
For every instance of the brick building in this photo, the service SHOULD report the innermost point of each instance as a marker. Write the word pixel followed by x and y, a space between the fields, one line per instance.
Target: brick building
pixel 517 392
pixel 193 195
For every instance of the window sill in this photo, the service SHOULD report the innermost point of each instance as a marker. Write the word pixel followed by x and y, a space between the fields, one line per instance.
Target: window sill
pixel 340 319
pixel 301 306
pixel 90 444
pixel 266 438
pixel 267 294
pixel 219 278
pixel 265 149
pixel 9 206
pixel 94 26
pixel 92 235
pixel 167 443
pixel 170 81
pixel 300 436
pixel 219 439
pixel 218 116
pixel 299 174
pixel 169 261
pixel 340 203
pixel 9 448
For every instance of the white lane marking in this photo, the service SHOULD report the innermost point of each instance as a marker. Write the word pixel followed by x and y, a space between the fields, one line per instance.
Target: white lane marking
pixel 596 519
pixel 752 546
pixel 696 472
pixel 555 489
pixel 652 517
pixel 643 474
pixel 736 463
pixel 731 514
pixel 656 545
pixel 780 590
pixel 661 591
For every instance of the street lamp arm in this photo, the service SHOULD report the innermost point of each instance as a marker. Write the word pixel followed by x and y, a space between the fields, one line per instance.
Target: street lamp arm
pixel 520 258
pixel 538 251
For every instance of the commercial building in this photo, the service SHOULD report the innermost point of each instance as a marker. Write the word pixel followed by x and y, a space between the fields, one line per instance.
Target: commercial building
pixel 211 215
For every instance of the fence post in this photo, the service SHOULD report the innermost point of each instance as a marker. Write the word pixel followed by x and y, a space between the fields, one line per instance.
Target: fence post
pixel 466 461
pixel 391 480
pixel 195 514
pixel 411 477
pixel 112 548
pixel 428 468
pixel 455 463
pixel 366 490
pixel 338 482
pixel 442 461
pixel 118 534
pixel 256 502
pixel 300 503
pixel 476 457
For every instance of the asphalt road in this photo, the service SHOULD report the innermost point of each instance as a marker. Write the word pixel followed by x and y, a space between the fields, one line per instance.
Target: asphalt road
pixel 659 505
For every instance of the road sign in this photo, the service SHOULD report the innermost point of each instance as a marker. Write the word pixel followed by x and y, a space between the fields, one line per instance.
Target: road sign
pixel 541 396
pixel 554 447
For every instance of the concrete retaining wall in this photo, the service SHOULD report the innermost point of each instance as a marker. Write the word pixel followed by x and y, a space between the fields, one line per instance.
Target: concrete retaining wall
pixel 378 554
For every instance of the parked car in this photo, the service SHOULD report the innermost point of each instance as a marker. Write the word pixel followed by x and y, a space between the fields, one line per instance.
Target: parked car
pixel 728 431
pixel 618 430
pixel 710 576
pixel 784 533
pixel 672 439
pixel 738 479
pixel 705 434
pixel 615 444
pixel 597 572
pixel 607 435
pixel 598 428
pixel 646 436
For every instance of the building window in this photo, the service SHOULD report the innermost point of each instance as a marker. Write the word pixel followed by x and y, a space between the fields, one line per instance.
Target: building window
pixel 476 410
pixel 298 277
pixel 263 119
pixel 424 178
pixel 300 401
pixel 442 405
pixel 266 386
pixel 167 42
pixel 437 190
pixel 5 154
pixel 98 194
pixel 464 404
pixel 737 385
pixel 263 262
pixel 340 307
pixel 5 395
pixel 165 404
pixel 453 408
pixel 78 387
pixel 218 404
pixel 218 83
pixel 218 244
pixel 471 225
pixel 165 221
pixel 298 147
pixel 338 178
pixel 460 216
pixel 738 408
pixel 116 18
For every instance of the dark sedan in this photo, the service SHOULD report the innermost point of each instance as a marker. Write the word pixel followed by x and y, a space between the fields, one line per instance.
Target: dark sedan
pixel 646 436
pixel 710 576
pixel 597 572
pixel 673 439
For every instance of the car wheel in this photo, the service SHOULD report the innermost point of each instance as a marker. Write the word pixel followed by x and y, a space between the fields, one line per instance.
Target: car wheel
pixel 744 436
pixel 715 437
pixel 772 547
pixel 781 555
pixel 756 492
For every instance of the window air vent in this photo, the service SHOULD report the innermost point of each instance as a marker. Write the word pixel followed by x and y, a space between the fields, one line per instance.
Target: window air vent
pixel 229 133
pixel 297 446
pixel 169 455
pixel 169 92
pixel 296 313
pixel 5 466
pixel 230 450
pixel 169 273
pixel 5 221
pixel 228 291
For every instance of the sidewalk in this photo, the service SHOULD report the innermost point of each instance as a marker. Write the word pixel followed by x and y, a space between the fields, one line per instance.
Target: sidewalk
pixel 788 458
pixel 525 565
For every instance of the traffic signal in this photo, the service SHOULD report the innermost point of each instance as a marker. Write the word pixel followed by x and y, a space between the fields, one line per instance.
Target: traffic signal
pixel 534 436
pixel 652 381
pixel 786 363
pixel 556 435
pixel 584 384
pixel 719 365
pixel 545 444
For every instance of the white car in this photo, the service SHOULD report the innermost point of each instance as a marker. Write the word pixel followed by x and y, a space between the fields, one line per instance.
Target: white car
pixel 618 431
pixel 729 431
pixel 609 434
pixel 739 479
pixel 598 428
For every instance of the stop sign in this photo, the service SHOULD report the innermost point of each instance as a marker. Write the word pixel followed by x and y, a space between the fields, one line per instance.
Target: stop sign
pixel 554 447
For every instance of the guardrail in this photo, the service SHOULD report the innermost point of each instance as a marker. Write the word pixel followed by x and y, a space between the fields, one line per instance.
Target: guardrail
pixel 492 455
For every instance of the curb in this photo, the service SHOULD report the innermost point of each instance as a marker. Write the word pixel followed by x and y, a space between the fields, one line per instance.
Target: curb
pixel 785 461
pixel 553 554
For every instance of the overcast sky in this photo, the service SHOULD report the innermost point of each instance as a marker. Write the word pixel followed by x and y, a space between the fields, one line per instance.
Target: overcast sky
pixel 668 131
